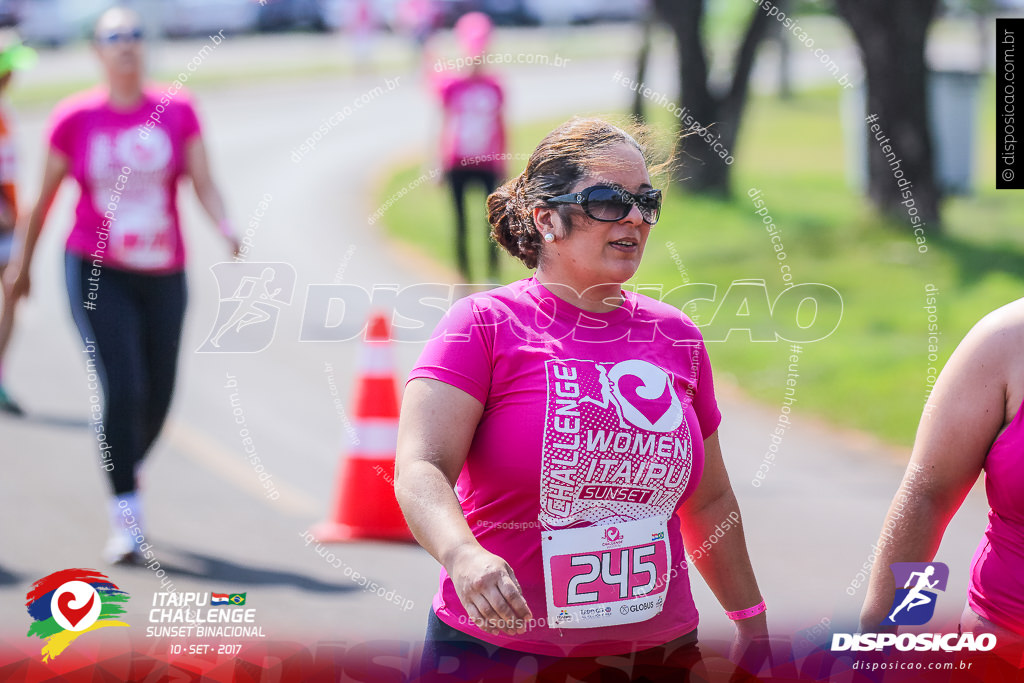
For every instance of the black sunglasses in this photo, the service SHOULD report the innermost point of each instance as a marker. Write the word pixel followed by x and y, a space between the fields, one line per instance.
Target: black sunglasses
pixel 114 37
pixel 610 204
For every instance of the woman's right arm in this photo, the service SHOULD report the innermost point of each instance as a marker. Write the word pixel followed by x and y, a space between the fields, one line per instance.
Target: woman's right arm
pixel 965 412
pixel 437 425
pixel 17 282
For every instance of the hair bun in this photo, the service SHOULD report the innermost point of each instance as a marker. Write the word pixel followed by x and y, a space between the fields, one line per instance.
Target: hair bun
pixel 512 223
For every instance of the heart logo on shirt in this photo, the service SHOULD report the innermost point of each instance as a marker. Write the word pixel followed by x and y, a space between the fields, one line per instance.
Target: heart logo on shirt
pixel 645 396
pixel 148 154
pixel 652 409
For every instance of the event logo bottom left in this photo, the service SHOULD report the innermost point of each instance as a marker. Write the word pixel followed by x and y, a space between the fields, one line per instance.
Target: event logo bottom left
pixel 70 603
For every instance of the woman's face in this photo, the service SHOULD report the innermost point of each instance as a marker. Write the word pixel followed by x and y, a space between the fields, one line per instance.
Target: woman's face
pixel 597 252
pixel 118 43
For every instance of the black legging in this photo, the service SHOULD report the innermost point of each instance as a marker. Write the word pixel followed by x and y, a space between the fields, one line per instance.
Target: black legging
pixel 134 323
pixel 458 178
pixel 451 656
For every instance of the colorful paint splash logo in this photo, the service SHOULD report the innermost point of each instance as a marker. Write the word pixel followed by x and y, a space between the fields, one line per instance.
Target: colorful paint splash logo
pixel 68 603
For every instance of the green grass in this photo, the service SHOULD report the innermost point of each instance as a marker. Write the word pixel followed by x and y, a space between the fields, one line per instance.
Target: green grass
pixel 871 373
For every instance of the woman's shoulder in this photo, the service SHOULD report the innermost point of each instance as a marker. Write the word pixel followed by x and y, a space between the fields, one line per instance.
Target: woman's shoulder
pixel 516 301
pixel 172 95
pixel 672 321
pixel 1009 317
pixel 93 99
pixel 504 297
pixel 999 336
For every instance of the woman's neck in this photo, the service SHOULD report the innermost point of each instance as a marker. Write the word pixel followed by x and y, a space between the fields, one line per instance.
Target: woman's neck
pixel 125 92
pixel 594 297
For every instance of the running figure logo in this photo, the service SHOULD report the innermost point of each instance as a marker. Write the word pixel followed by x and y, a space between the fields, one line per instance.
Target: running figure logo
pixel 247 317
pixel 914 603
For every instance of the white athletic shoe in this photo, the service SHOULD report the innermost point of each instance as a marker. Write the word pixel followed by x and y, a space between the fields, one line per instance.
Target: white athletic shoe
pixel 122 547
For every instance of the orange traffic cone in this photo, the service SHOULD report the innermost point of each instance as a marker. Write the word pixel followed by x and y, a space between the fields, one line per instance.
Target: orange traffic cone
pixel 365 505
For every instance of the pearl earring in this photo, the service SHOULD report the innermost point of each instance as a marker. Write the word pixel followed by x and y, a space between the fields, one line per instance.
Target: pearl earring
pixel 549 238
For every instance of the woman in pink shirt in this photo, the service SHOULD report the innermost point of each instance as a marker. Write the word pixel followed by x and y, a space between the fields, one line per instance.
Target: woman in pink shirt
pixel 473 141
pixel 973 423
pixel 558 442
pixel 127 146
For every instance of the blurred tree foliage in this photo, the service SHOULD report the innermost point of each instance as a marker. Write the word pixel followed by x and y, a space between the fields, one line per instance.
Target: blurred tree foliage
pixel 707 103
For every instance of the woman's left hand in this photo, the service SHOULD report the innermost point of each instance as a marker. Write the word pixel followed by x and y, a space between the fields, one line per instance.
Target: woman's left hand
pixel 750 649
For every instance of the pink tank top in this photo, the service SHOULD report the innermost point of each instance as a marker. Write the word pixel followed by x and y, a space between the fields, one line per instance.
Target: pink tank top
pixel 996 590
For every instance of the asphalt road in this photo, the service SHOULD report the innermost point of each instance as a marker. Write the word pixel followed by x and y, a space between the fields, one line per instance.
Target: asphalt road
pixel 809 527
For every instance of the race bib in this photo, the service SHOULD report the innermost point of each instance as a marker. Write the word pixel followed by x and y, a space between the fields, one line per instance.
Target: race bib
pixel 606 575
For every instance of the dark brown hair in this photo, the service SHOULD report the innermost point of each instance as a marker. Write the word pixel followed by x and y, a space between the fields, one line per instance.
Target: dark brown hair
pixel 561 159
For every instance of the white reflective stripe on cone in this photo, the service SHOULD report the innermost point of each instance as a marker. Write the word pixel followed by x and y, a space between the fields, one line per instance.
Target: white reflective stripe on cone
pixel 376 359
pixel 376 436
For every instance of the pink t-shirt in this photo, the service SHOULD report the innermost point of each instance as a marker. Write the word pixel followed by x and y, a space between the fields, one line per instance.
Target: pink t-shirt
pixel 576 406
pixel 473 129
pixel 996 591
pixel 127 215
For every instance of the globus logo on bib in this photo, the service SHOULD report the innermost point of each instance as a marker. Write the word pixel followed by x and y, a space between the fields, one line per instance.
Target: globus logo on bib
pixel 640 607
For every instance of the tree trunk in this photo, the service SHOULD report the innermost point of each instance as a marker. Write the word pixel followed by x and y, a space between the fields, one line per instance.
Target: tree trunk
pixel 892 38
pixel 785 63
pixel 703 168
pixel 647 28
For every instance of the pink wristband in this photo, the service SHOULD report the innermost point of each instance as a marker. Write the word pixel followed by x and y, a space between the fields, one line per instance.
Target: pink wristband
pixel 747 613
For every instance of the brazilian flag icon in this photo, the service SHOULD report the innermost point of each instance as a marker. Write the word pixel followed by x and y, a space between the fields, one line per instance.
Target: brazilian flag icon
pixel 237 598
